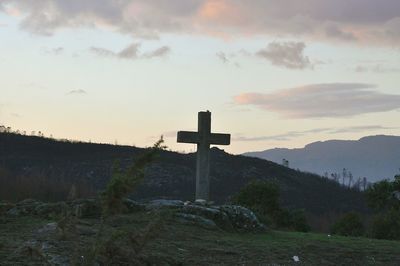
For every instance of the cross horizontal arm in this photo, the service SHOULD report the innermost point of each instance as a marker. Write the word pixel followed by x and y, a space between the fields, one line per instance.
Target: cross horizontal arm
pixel 220 139
pixel 188 137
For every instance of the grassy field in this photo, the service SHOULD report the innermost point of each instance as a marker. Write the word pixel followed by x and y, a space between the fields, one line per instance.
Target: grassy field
pixel 174 243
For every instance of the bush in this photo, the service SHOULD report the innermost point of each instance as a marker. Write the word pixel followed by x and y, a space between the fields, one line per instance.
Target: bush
pixel 387 225
pixel 263 198
pixel 260 195
pixel 349 225
pixel 378 195
pixel 124 182
pixel 299 221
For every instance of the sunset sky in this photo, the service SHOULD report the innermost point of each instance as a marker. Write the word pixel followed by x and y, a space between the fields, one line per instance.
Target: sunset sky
pixel 273 73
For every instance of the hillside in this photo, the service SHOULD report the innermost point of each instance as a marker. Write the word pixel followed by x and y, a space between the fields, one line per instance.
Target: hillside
pixel 374 157
pixel 32 240
pixel 172 176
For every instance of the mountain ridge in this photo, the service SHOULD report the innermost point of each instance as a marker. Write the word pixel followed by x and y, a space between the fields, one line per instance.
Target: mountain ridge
pixel 375 157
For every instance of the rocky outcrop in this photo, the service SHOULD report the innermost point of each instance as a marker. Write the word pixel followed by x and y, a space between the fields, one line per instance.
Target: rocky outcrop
pixel 5 207
pixel 203 214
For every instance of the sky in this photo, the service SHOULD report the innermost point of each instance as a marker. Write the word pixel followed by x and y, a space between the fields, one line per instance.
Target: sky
pixel 273 73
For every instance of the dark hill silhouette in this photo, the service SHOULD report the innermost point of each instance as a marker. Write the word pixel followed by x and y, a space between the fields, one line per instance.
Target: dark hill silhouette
pixel 173 175
pixel 374 157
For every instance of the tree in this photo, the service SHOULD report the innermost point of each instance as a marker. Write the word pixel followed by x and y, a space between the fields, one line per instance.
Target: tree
pixel 380 196
pixel 350 179
pixel 383 197
pixel 344 176
pixel 349 225
pixel 364 183
pixel 263 198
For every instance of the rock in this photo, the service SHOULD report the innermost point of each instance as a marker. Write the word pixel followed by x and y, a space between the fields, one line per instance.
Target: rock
pixel 396 195
pixel 51 209
pixel 200 202
pixel 85 230
pixel 40 253
pixel 133 206
pixel 14 212
pixel 242 218
pixel 196 220
pixel 33 207
pixel 226 217
pixel 87 208
pixel 25 207
pixel 211 213
pixel 5 207
pixel 162 203
pixel 47 229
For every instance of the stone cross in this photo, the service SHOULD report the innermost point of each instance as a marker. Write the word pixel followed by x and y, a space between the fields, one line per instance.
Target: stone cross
pixel 203 138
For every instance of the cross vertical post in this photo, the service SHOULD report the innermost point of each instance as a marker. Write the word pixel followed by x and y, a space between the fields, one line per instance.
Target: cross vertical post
pixel 203 156
pixel 203 138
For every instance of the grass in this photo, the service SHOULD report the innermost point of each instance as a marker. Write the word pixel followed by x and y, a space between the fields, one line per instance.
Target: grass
pixel 179 244
pixel 16 231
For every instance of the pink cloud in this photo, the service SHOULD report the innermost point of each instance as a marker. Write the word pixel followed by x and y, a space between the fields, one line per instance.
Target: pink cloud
pixel 323 100
pixel 366 21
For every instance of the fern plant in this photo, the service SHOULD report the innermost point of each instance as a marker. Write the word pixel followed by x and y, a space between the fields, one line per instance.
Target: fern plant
pixel 123 182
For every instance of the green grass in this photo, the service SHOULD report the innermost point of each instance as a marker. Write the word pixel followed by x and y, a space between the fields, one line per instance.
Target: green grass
pixel 15 231
pixel 179 244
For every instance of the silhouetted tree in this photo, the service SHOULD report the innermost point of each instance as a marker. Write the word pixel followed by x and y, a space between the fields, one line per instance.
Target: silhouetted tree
pixel 364 183
pixel 344 176
pixel 350 175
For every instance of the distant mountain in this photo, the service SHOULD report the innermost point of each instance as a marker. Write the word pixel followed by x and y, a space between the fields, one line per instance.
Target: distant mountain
pixel 374 157
pixel 173 175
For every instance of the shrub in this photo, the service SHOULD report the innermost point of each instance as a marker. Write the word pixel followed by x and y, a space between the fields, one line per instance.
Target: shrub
pixel 387 225
pixel 263 198
pixel 124 182
pixel 349 225
pixel 378 195
pixel 299 221
pixel 291 219
pixel 260 195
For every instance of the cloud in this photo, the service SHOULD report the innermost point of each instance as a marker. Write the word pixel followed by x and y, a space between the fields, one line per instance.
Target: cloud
pixel 366 21
pixel 54 51
pixel 223 57
pixel 380 69
pixel 77 92
pixel 323 100
pixel 334 31
pixel 357 129
pixel 282 137
pixel 286 54
pixel 228 59
pixel 295 134
pixel 103 52
pixel 131 52
pixel 160 52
